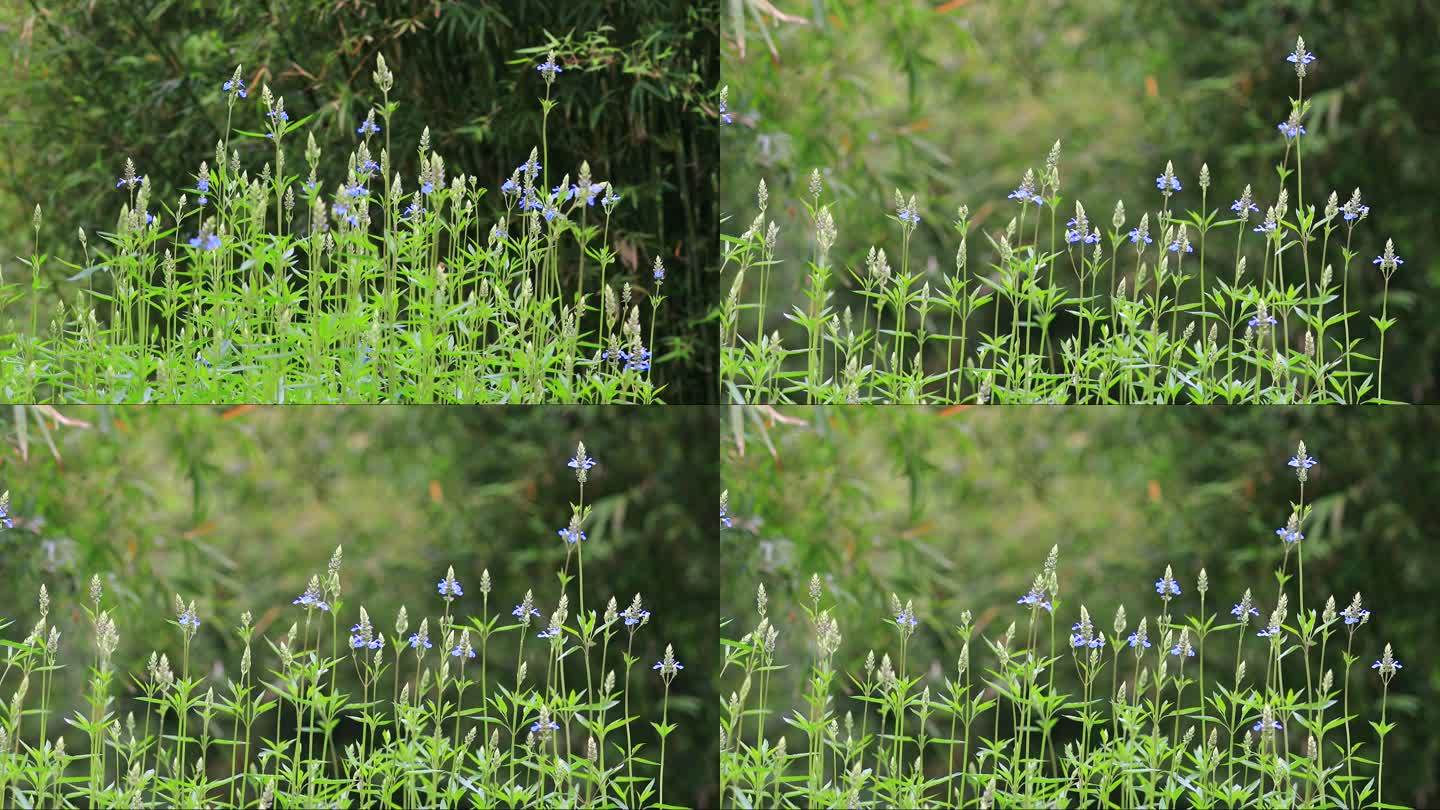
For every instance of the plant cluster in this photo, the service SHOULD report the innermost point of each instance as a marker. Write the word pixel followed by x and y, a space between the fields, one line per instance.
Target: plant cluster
pixel 431 725
pixel 1145 318
pixel 267 288
pixel 1267 723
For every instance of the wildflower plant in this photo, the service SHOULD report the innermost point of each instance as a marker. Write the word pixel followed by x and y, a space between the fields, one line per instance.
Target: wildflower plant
pixel 261 283
pixel 1191 302
pixel 1188 709
pixel 432 723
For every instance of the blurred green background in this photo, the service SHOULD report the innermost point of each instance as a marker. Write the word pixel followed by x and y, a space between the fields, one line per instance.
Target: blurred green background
pixel 84 85
pixel 952 100
pixel 957 508
pixel 237 508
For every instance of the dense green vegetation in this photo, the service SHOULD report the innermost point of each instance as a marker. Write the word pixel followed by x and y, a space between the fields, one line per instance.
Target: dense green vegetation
pixel 955 510
pixel 88 87
pixel 953 102
pixel 235 511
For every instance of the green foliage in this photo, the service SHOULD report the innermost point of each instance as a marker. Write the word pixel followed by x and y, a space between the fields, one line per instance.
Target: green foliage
pixel 954 509
pixel 146 82
pixel 236 509
pixel 952 102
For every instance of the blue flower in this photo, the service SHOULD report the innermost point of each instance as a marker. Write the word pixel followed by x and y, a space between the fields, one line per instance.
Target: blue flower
pixel 1257 321
pixel 235 85
pixel 449 588
pixel 205 241
pixel 1392 262
pixel 411 210
pixel 1268 632
pixel 1289 536
pixel 549 69
pixel 459 651
pixel 1260 727
pixel 1290 130
pixel 1167 181
pixel 358 641
pixel 912 217
pixel 368 126
pixel 203 184
pixel 1034 599
pixel 549 632
pixel 1074 232
pixel 726 118
pixel 1136 236
pixel 579 462
pixel 509 187
pixel 417 642
pixel 189 619
pixel 1301 57
pixel 906 618
pixel 1175 247
pixel 571 536
pixel 1136 641
pixel 634 617
pixel 610 200
pixel 519 612
pixel 1176 651
pixel 7 522
pixel 1162 586
pixel 1025 195
pixel 1077 639
pixel 1307 462
pixel 638 361
pixel 353 190
pixel 1268 226
pixel 1238 610
pixel 1240 207
pixel 1394 662
pixel 543 726
pixel 281 114
pixel 1355 616
pixel 311 601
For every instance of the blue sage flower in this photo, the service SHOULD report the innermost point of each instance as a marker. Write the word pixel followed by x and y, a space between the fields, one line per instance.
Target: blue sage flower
pixel 206 241
pixel 1388 261
pixel 1034 599
pixel 549 69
